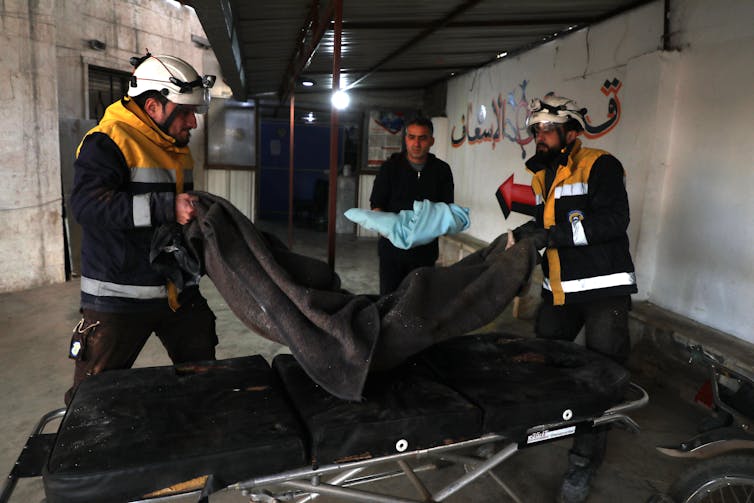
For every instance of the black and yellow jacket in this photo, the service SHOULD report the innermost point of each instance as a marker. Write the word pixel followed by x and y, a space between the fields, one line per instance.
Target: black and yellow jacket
pixel 127 173
pixel 586 212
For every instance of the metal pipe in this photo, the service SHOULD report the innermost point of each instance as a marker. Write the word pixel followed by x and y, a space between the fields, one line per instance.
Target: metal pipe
pixel 483 468
pixel 380 476
pixel 333 185
pixel 505 487
pixel 473 462
pixel 425 494
pixel 339 479
pixel 308 472
pixel 349 494
pixel 10 481
pixel 633 404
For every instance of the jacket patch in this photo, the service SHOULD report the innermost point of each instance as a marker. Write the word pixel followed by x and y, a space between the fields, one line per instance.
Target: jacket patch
pixel 575 216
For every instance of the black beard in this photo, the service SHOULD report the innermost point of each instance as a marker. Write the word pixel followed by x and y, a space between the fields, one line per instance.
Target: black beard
pixel 181 143
pixel 546 156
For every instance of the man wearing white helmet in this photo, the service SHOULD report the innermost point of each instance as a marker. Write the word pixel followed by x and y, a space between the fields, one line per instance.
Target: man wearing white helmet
pixel 582 215
pixel 132 172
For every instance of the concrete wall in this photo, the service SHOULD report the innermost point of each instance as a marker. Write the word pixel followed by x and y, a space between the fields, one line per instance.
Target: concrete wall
pixel 678 121
pixel 45 57
pixel 31 228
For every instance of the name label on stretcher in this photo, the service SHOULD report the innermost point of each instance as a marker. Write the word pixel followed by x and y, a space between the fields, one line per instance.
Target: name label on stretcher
pixel 541 436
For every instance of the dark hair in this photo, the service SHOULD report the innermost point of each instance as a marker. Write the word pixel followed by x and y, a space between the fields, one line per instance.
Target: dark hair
pixel 142 98
pixel 572 125
pixel 419 120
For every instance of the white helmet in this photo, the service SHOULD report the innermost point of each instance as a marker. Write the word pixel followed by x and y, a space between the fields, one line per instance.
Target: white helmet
pixel 553 109
pixel 173 78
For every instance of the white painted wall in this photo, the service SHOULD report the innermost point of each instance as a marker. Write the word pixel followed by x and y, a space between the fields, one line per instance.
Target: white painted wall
pixel 683 136
pixel 575 66
pixel 704 260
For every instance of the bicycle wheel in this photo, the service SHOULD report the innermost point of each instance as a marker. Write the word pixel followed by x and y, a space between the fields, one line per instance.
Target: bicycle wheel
pixel 728 479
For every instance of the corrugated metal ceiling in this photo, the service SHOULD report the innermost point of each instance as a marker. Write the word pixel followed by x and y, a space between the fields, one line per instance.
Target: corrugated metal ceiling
pixel 391 45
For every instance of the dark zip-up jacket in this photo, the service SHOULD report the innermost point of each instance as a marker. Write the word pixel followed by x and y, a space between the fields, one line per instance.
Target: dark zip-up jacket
pixel 127 173
pixel 585 207
pixel 398 185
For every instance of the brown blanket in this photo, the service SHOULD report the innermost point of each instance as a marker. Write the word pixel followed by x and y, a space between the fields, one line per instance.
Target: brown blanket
pixel 337 336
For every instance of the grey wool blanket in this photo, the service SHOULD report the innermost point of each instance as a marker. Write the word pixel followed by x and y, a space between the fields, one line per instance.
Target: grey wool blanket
pixel 337 336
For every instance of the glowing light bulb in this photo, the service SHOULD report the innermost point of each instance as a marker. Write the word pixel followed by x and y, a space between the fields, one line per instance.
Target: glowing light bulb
pixel 340 100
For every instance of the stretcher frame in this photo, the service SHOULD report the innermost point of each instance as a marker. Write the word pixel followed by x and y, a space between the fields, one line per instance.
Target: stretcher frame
pixel 307 483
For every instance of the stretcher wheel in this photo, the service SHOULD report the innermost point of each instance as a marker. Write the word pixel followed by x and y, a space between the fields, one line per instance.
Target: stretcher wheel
pixel 725 478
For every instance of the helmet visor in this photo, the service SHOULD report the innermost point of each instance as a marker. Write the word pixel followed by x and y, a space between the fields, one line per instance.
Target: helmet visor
pixel 544 127
pixel 199 98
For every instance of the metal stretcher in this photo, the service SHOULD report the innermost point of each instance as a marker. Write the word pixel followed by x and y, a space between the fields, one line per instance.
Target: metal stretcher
pixel 273 434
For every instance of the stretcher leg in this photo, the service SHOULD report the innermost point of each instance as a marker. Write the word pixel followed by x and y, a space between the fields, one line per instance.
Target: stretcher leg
pixel 339 479
pixel 470 462
pixel 35 447
pixel 342 492
pixel 483 468
pixel 426 495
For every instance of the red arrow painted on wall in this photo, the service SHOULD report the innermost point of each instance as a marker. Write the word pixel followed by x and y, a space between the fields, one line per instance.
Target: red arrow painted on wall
pixel 515 197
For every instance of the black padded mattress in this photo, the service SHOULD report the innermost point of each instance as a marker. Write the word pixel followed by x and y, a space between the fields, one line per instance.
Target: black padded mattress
pixel 522 382
pixel 129 433
pixel 402 410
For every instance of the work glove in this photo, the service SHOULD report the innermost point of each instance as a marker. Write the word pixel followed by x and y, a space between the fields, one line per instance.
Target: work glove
pixel 530 230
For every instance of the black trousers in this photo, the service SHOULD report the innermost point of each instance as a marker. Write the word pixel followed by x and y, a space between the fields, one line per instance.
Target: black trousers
pixel 110 341
pixel 396 264
pixel 605 323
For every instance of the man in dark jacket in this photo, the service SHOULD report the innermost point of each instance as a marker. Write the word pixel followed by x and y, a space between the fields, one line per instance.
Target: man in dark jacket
pixel 412 175
pixel 582 211
pixel 131 174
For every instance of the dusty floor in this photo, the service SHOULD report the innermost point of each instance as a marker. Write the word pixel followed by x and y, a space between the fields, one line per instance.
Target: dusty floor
pixel 35 372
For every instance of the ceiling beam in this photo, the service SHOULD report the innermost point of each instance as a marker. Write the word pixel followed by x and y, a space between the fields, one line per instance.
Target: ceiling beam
pixel 316 24
pixel 493 23
pixel 217 21
pixel 431 68
pixel 464 6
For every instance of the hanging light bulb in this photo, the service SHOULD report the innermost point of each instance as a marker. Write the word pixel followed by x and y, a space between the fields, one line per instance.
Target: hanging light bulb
pixel 340 100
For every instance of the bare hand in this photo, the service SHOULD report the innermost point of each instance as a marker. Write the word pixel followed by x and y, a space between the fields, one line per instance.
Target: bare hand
pixel 184 208
pixel 511 240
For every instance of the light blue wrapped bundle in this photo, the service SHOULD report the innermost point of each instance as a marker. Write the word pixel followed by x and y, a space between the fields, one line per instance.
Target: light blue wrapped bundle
pixel 411 228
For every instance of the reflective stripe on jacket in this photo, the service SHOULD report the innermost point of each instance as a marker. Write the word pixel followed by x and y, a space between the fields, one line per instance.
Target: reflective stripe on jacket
pixel 127 173
pixel 586 210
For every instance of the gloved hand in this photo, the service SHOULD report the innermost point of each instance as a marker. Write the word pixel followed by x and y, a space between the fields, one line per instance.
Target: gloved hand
pixel 530 230
pixel 539 237
pixel 524 230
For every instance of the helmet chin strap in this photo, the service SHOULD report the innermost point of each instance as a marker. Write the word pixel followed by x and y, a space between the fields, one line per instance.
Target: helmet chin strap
pixel 165 126
pixel 562 137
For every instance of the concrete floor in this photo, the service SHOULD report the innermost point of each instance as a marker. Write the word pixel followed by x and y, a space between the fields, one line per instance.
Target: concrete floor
pixel 35 372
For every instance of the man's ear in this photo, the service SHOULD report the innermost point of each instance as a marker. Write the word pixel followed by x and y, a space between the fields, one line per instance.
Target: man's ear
pixel 152 107
pixel 570 136
pixel 431 140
